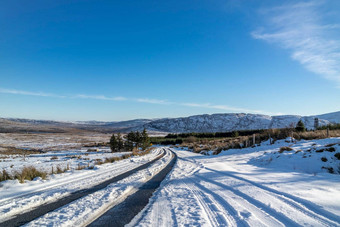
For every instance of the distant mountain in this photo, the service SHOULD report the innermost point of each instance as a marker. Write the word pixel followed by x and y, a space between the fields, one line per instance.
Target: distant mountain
pixel 116 124
pixel 228 122
pixel 198 123
pixel 331 117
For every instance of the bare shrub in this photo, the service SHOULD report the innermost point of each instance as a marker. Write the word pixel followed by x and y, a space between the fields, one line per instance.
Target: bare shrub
pixel 80 167
pixel 337 155
pixel 98 162
pixel 29 173
pixel 60 170
pixel 54 158
pixel 330 169
pixel 4 175
pixel 190 139
pixel 320 150
pixel 282 149
pixel 330 145
pixel 330 149
pixel 112 159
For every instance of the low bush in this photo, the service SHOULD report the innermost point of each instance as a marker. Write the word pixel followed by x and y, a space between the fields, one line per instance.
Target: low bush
pixel 80 167
pixel 98 162
pixel 324 159
pixel 330 145
pixel 282 149
pixel 60 170
pixel 29 173
pixel 337 155
pixel 112 159
pixel 330 169
pixel 320 150
pixel 4 175
pixel 330 149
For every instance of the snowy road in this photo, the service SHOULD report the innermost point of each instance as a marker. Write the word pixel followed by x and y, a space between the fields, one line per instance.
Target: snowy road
pixel 14 202
pixel 208 191
pixel 256 186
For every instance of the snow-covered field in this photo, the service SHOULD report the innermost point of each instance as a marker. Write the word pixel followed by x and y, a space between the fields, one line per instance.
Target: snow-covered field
pixel 250 187
pixel 259 186
pixel 51 141
pixel 51 160
pixel 16 198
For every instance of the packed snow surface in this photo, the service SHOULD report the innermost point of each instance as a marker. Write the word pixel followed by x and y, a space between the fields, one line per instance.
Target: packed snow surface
pixel 16 198
pixel 264 185
pixel 87 208
pixel 243 188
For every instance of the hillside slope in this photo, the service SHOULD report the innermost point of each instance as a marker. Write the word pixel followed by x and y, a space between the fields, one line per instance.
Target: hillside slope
pixel 228 122
pixel 198 123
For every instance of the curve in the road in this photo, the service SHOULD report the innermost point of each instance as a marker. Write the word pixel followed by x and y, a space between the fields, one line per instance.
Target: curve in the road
pixel 26 217
pixel 123 213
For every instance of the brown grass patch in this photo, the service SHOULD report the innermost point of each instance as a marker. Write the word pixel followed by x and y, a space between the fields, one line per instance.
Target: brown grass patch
pixel 282 149
pixel 29 173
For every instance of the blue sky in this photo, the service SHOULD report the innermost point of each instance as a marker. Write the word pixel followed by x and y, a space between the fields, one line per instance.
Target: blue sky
pixel 119 60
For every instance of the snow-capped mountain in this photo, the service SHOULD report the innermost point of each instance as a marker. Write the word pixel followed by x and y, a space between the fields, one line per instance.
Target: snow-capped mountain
pixel 229 122
pixel 331 117
pixel 198 123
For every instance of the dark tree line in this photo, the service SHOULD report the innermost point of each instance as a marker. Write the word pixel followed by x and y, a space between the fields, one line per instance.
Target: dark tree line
pixel 330 127
pixel 133 140
pixel 214 134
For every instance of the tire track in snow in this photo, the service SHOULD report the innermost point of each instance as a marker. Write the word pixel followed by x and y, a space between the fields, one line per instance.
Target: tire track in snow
pixel 296 204
pixel 212 209
pixel 195 215
pixel 249 202
pixel 30 215
pixel 124 212
pixel 239 203
pixel 223 200
pixel 56 187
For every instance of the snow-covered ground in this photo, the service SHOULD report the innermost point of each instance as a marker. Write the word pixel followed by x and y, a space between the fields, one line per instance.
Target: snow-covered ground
pixel 53 159
pixel 258 186
pixel 250 187
pixel 86 209
pixel 51 141
pixel 16 198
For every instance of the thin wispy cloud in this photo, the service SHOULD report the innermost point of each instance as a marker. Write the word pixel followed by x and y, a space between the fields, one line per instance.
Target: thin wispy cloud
pixel 101 97
pixel 301 28
pixel 138 100
pixel 222 107
pixel 153 101
pixel 20 92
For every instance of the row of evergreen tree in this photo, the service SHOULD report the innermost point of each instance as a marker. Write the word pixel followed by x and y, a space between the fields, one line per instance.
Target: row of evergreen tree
pixel 214 134
pixel 133 140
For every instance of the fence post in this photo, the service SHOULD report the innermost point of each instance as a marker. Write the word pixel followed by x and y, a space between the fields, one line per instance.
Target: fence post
pixel 254 139
pixel 316 123
pixel 327 132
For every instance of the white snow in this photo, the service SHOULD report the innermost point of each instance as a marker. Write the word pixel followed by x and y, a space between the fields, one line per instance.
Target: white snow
pixel 82 211
pixel 16 198
pixel 257 186
pixel 242 188
pixel 62 158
